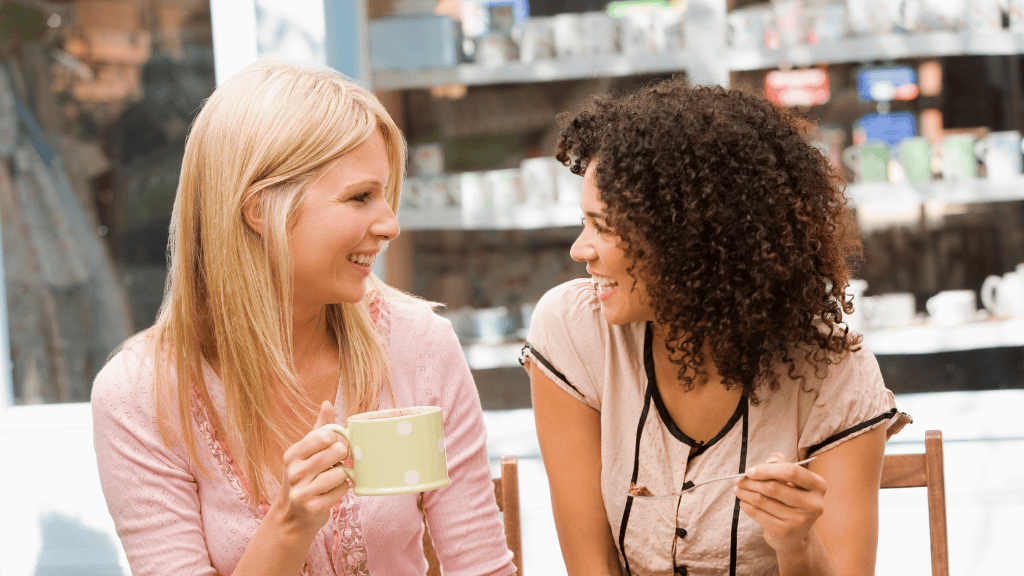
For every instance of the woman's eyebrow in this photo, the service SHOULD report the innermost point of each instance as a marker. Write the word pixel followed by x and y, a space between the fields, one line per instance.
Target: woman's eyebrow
pixel 595 215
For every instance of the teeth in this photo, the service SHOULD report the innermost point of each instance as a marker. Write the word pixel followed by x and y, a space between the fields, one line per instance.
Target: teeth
pixel 603 283
pixel 363 259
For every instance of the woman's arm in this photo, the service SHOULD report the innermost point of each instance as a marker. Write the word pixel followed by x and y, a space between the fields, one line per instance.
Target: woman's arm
pixel 570 443
pixel 814 531
pixel 463 518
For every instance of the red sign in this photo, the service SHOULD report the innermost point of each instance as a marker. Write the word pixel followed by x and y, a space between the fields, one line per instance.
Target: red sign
pixel 808 87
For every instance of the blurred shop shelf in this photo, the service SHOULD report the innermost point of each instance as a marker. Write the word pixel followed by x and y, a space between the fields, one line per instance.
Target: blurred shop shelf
pixel 931 338
pixel 911 340
pixel 860 49
pixel 971 191
pixel 967 191
pixel 516 218
pixel 881 47
pixel 614 65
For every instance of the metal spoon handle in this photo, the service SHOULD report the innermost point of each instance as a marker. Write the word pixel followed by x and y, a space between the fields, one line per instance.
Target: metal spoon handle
pixel 730 477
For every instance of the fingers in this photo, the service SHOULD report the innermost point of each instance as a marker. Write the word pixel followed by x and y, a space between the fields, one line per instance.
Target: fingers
pixel 326 415
pixel 331 453
pixel 785 472
pixel 781 501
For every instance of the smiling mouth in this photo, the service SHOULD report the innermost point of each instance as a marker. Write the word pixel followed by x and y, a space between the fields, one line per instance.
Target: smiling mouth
pixel 365 260
pixel 603 284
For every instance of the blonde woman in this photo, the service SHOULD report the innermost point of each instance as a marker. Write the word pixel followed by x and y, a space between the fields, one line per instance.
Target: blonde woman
pixel 207 425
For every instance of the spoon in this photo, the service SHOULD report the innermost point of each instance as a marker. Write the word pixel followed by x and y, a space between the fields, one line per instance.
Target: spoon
pixel 692 486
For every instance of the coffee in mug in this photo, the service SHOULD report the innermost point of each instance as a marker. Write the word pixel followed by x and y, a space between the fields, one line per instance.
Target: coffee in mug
pixel 395 451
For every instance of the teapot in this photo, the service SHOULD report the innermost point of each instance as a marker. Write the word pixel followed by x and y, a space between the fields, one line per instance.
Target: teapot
pixel 1004 295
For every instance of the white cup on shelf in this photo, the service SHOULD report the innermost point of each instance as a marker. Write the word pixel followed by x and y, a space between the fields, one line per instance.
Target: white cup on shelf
pixel 952 307
pixel 984 15
pixel 1000 152
pixel 539 180
pixel 1004 295
pixel 891 310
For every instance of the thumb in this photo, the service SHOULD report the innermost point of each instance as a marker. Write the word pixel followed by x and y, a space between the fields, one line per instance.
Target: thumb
pixel 326 414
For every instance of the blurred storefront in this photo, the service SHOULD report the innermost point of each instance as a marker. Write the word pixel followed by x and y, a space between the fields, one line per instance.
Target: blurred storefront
pixel 98 96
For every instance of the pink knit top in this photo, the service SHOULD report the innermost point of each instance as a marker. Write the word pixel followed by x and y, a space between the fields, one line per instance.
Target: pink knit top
pixel 173 519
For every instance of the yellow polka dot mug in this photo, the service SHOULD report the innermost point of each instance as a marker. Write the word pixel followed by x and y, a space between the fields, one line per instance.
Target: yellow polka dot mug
pixel 396 451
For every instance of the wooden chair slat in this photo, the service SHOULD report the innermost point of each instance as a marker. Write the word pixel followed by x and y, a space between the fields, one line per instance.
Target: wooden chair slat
pixel 916 470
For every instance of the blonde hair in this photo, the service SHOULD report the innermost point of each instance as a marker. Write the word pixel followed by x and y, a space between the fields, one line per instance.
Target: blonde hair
pixel 261 137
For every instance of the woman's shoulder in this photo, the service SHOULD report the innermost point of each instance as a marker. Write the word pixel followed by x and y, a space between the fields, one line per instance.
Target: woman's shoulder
pixel 413 315
pixel 855 370
pixel 572 304
pixel 130 368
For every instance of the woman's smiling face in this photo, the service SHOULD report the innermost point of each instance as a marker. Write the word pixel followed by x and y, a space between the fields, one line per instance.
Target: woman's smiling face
pixel 344 221
pixel 623 298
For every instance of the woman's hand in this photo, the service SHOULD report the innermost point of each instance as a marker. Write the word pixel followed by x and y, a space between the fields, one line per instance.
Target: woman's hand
pixel 785 499
pixel 313 481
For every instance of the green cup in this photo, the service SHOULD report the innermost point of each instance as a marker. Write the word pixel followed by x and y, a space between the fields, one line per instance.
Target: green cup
pixel 870 162
pixel 396 451
pixel 915 155
pixel 958 160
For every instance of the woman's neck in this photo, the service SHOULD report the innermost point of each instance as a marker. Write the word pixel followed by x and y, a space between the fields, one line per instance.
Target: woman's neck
pixel 700 410
pixel 310 337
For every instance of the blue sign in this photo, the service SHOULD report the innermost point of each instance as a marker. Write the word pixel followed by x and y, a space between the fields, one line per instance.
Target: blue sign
pixel 889 128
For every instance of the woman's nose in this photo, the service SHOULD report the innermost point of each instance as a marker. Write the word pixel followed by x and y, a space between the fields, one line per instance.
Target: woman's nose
pixel 386 226
pixel 581 250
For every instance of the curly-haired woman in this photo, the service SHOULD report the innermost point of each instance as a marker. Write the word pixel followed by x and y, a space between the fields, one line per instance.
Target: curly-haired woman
pixel 709 341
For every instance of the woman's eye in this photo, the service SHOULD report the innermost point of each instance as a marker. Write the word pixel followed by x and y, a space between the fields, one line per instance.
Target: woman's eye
pixel 361 198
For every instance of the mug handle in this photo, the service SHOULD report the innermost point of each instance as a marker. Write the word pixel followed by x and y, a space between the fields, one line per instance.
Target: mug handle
pixel 981 148
pixel 339 429
pixel 851 157
pixel 988 292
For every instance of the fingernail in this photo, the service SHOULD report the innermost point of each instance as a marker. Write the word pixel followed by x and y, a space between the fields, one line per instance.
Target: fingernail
pixel 752 471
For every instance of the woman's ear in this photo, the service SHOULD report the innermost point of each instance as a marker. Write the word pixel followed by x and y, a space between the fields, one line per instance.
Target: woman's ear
pixel 254 214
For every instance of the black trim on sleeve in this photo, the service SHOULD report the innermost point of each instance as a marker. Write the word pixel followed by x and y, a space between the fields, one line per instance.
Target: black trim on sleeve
pixel 540 358
pixel 855 428
pixel 736 506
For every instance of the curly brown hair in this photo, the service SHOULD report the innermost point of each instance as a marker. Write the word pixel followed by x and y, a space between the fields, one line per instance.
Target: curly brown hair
pixel 736 223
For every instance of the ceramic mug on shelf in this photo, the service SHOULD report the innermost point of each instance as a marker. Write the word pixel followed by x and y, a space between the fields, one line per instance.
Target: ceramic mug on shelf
pixel 984 15
pixel 1000 152
pixel 745 27
pixel 915 156
pixel 395 451
pixel 941 14
pixel 952 307
pixel 539 180
pixel 889 310
pixel 1004 295
pixel 958 160
pixel 870 162
pixel 1015 9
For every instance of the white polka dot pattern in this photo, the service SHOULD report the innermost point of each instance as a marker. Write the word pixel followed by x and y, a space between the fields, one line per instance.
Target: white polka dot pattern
pixel 440 444
pixel 404 428
pixel 357 453
pixel 412 477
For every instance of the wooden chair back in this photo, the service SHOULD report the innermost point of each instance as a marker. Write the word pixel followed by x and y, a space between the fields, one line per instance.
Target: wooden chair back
pixel 917 470
pixel 506 493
